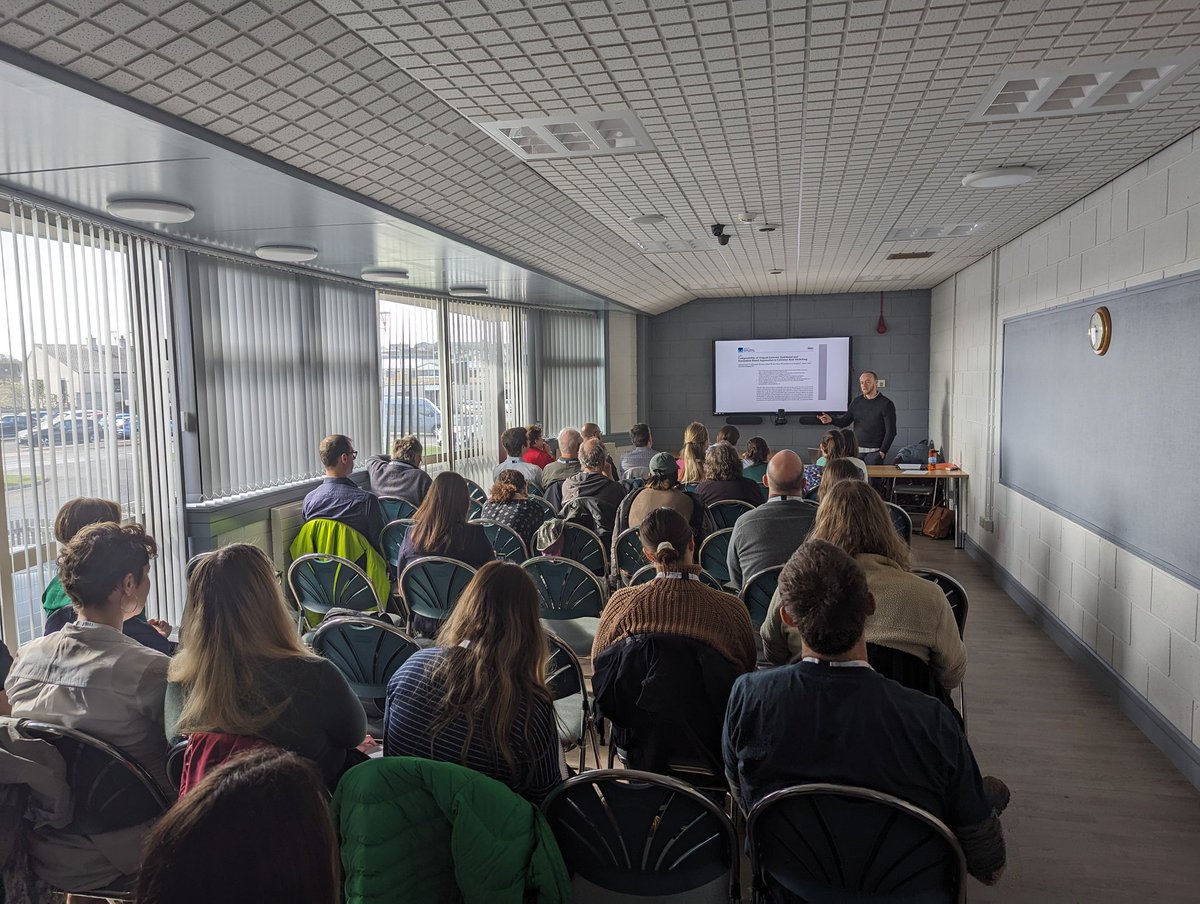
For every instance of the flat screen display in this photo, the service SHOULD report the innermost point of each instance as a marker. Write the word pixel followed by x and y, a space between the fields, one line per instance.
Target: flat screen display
pixel 760 376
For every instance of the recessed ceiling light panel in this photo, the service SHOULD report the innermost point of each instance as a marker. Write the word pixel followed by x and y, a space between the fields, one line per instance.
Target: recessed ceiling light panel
pixel 928 233
pixel 1000 177
pixel 286 254
pixel 591 134
pixel 677 246
pixel 469 291
pixel 385 274
pixel 149 210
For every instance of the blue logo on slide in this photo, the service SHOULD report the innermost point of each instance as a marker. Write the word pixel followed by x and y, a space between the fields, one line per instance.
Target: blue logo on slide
pixel 740 349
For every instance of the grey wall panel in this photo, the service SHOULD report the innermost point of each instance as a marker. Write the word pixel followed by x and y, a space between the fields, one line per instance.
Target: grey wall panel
pixel 681 357
pixel 1107 440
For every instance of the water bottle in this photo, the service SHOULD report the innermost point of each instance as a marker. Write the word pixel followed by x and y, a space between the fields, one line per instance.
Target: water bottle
pixel 932 457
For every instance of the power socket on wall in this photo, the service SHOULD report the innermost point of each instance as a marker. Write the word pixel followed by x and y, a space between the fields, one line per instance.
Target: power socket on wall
pixel 987 524
pixel 882 384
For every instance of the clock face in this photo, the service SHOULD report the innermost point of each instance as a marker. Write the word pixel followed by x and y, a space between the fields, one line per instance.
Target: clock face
pixel 1099 330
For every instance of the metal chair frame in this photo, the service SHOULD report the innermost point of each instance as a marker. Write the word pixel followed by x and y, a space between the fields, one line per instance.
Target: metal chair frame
pixel 396 509
pixel 588 724
pixel 854 793
pixel 894 513
pixel 590 534
pixel 751 586
pixel 711 541
pixel 629 548
pixel 504 530
pixel 359 621
pixel 476 491
pixel 548 614
pixel 651 853
pixel 737 505
pixel 345 563
pixel 550 510
pixel 952 587
pixel 429 560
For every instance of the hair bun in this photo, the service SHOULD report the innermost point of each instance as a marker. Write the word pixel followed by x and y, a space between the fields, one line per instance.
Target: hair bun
pixel 665 544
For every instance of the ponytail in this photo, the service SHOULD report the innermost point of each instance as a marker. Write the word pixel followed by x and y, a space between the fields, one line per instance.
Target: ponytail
pixel 665 535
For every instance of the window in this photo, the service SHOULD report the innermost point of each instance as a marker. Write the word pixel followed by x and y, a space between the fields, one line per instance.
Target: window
pixel 84 306
pixel 571 369
pixel 281 360
pixel 411 376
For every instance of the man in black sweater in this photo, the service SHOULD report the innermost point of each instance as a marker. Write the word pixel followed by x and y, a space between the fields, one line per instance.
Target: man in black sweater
pixel 874 418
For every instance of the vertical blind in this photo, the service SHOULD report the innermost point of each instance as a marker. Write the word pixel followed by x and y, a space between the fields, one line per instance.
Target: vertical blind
pixel 281 361
pixel 571 366
pixel 86 399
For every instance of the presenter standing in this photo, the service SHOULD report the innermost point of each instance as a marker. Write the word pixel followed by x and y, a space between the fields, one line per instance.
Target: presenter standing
pixel 874 418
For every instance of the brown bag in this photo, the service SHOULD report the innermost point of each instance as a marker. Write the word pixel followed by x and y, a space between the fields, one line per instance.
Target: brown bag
pixel 939 523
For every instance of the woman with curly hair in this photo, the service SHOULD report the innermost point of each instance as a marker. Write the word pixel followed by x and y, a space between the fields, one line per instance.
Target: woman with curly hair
pixel 509 504
pixel 723 478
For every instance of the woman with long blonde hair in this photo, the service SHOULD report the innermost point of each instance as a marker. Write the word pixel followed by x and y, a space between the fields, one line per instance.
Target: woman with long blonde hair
pixel 479 698
pixel 242 670
pixel 691 457
pixel 911 613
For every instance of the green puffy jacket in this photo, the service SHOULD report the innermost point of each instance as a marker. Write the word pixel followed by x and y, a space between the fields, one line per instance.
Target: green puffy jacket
pixel 425 832
pixel 327 536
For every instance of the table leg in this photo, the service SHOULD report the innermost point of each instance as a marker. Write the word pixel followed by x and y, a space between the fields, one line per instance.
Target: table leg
pixel 960 511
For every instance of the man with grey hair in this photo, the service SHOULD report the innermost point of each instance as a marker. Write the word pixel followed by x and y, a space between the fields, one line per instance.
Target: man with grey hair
pixel 592 483
pixel 566 465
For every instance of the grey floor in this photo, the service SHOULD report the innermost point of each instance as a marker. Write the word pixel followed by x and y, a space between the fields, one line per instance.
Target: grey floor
pixel 1098 814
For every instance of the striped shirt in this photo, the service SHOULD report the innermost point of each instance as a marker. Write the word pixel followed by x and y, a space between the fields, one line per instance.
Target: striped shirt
pixel 414 699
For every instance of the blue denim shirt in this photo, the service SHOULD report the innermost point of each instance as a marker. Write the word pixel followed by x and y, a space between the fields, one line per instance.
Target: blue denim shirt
pixel 341 499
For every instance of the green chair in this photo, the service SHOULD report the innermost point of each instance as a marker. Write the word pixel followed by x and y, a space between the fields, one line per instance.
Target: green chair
pixel 365 650
pixel 551 512
pixel 901 520
pixel 476 491
pixel 322 582
pixel 392 537
pixel 432 585
pixel 572 597
pixel 396 509
pixel 709 581
pixel 583 545
pixel 643 575
pixel 714 554
pixel 572 708
pixel 474 509
pixel 630 556
pixel 726 513
pixel 757 592
pixel 532 489
pixel 506 542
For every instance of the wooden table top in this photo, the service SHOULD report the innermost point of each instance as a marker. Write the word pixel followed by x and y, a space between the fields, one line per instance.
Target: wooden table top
pixel 893 471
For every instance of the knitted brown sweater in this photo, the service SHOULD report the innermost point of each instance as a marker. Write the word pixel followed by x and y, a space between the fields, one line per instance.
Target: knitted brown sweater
pixel 686 608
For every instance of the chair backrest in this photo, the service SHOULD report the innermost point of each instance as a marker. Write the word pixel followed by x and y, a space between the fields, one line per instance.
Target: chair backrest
pixel 756 593
pixel 551 511
pixel 955 592
pixel 532 489
pixel 110 791
pixel 642 575
pixel 901 520
pixel 630 556
pixel 812 494
pixel 714 553
pixel 726 512
pixel 818 840
pixel 395 509
pixel 506 542
pixel 710 580
pixel 564 678
pixel 432 585
pixel 392 536
pixel 628 835
pixel 323 582
pixel 474 509
pixel 476 491
pixel 584 546
pixel 367 651
pixel 567 589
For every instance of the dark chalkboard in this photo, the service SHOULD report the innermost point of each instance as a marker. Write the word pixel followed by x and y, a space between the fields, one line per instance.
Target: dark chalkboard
pixel 1111 441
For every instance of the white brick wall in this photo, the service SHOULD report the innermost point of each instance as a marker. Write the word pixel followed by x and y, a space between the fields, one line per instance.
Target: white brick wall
pixel 1142 227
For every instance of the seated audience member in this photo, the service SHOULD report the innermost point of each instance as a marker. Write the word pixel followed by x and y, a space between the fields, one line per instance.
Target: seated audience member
pixel 767 536
pixel 850 441
pixel 92 678
pixel 729 434
pixel 567 463
pixel 592 483
pixel 242 670
pixel 538 452
pixel 676 601
pixel 832 445
pixel 835 472
pixel 754 462
pixel 339 498
pixel 638 458
pixel 662 490
pixel 831 718
pixel 479 698
pixel 256 829
pixel 509 504
pixel 516 443
pixel 691 456
pixel 592 431
pixel 400 475
pixel 72 518
pixel 723 478
pixel 911 614
pixel 440 528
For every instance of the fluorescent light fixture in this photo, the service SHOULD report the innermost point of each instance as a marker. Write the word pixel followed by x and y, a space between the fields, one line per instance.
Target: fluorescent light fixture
pixel 469 291
pixel 385 274
pixel 1000 177
pixel 286 254
pixel 647 219
pixel 149 210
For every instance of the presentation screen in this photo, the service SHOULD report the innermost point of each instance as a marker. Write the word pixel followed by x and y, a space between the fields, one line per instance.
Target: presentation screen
pixel 760 376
